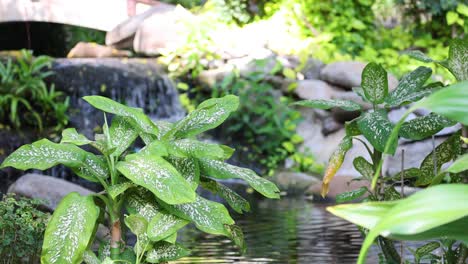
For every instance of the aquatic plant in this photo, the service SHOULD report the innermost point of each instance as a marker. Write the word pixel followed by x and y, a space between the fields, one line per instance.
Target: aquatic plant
pixel 155 186
pixel 438 211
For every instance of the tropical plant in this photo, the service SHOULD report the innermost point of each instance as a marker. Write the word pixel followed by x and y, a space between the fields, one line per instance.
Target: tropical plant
pixel 156 185
pixel 25 99
pixel 382 135
pixel 264 125
pixel 23 227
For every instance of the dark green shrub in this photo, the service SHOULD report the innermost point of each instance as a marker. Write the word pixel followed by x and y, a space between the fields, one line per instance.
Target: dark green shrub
pixel 22 228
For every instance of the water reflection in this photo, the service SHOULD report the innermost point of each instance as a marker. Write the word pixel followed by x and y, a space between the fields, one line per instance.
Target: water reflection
pixel 284 231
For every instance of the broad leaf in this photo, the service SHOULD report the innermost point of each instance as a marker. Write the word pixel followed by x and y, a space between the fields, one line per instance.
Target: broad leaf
pixel 188 168
pixel 164 251
pixel 237 202
pixel 351 195
pixel 328 104
pixel 137 116
pixel 374 83
pixel 410 216
pixel 117 189
pixel 335 162
pixel 424 127
pixel 164 225
pixel 445 152
pixel 236 234
pixel 142 202
pixel 137 224
pixel 417 54
pixel 376 128
pixel 196 149
pixel 365 168
pixel 69 230
pixel 408 174
pixel 220 170
pixel 44 154
pixel 90 258
pixel 461 164
pixel 208 115
pixel 457 62
pixel 122 134
pixel 426 249
pixel 351 128
pixel 208 216
pixel 409 88
pixel 70 135
pixel 450 102
pixel 391 194
pixel 159 176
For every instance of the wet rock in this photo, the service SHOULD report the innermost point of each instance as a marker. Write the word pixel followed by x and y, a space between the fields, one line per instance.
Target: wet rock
pixel 294 182
pixel 347 74
pixel 313 89
pixel 136 82
pixel 209 78
pixel 50 189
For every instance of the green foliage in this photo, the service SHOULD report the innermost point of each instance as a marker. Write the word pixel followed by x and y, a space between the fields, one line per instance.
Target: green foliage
pixel 25 100
pixel 264 124
pixel 156 185
pixel 23 227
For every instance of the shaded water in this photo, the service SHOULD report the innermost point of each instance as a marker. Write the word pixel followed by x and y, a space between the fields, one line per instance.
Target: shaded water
pixel 290 230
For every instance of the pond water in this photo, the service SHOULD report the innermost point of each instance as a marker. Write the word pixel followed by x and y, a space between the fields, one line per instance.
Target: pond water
pixel 290 230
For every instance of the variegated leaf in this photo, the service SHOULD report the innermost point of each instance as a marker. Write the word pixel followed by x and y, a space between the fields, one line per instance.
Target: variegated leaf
pixel 236 234
pixel 335 162
pixel 69 230
pixel 328 104
pixel 419 55
pixel 352 129
pixel 137 116
pixel 141 201
pixel 164 225
pixel 137 224
pixel 457 62
pixel 188 168
pixel 424 127
pixel 410 87
pixel 196 149
pixel 351 195
pixel 221 170
pixel 164 251
pixel 159 176
pixel 90 258
pixel 365 168
pixel 122 134
pixel 237 202
pixel 208 216
pixel 117 189
pixel 376 128
pixel 70 135
pixel 375 83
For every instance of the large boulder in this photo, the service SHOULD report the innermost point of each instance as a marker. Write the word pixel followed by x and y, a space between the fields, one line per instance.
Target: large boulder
pixel 294 182
pixel 47 188
pixel 347 74
pixel 314 89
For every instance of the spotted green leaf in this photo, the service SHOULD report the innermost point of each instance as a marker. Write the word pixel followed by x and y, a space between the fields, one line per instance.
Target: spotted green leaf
pixel 461 164
pixel 69 230
pixel 158 176
pixel 90 258
pixel 164 251
pixel 424 126
pixel 351 195
pixel 208 216
pixel 208 115
pixel 408 174
pixel 365 168
pixel 457 62
pixel 141 201
pixel 137 116
pixel 122 134
pixel 391 194
pixel 188 168
pixel 426 249
pixel 44 154
pixel 376 128
pixel 374 83
pixel 220 170
pixel 335 161
pixel 235 234
pixel 445 152
pixel 328 104
pixel 164 225
pixel 196 149
pixel 117 189
pixel 237 202
pixel 351 128
pixel 70 135
pixel 137 224
pixel 410 87
pixel 418 55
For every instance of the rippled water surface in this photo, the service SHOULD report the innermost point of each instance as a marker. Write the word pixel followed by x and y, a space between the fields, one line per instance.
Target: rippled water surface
pixel 280 231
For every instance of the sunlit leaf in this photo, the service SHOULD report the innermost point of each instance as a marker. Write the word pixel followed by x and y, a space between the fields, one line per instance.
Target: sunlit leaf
pixel 164 225
pixel 90 258
pixel 351 195
pixel 220 170
pixel 117 189
pixel 461 164
pixel 424 127
pixel 188 168
pixel 457 62
pixel 122 134
pixel 375 83
pixel 335 162
pixel 376 128
pixel 70 135
pixel 410 87
pixel 196 149
pixel 328 104
pixel 137 224
pixel 237 202
pixel 159 176
pixel 141 201
pixel 70 229
pixel 417 54
pixel 164 251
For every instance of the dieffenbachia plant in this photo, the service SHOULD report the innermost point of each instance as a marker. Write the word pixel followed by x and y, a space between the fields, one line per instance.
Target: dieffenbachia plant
pixel 155 187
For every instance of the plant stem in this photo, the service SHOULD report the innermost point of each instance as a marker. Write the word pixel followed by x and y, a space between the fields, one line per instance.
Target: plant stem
pixel 116 235
pixel 376 160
